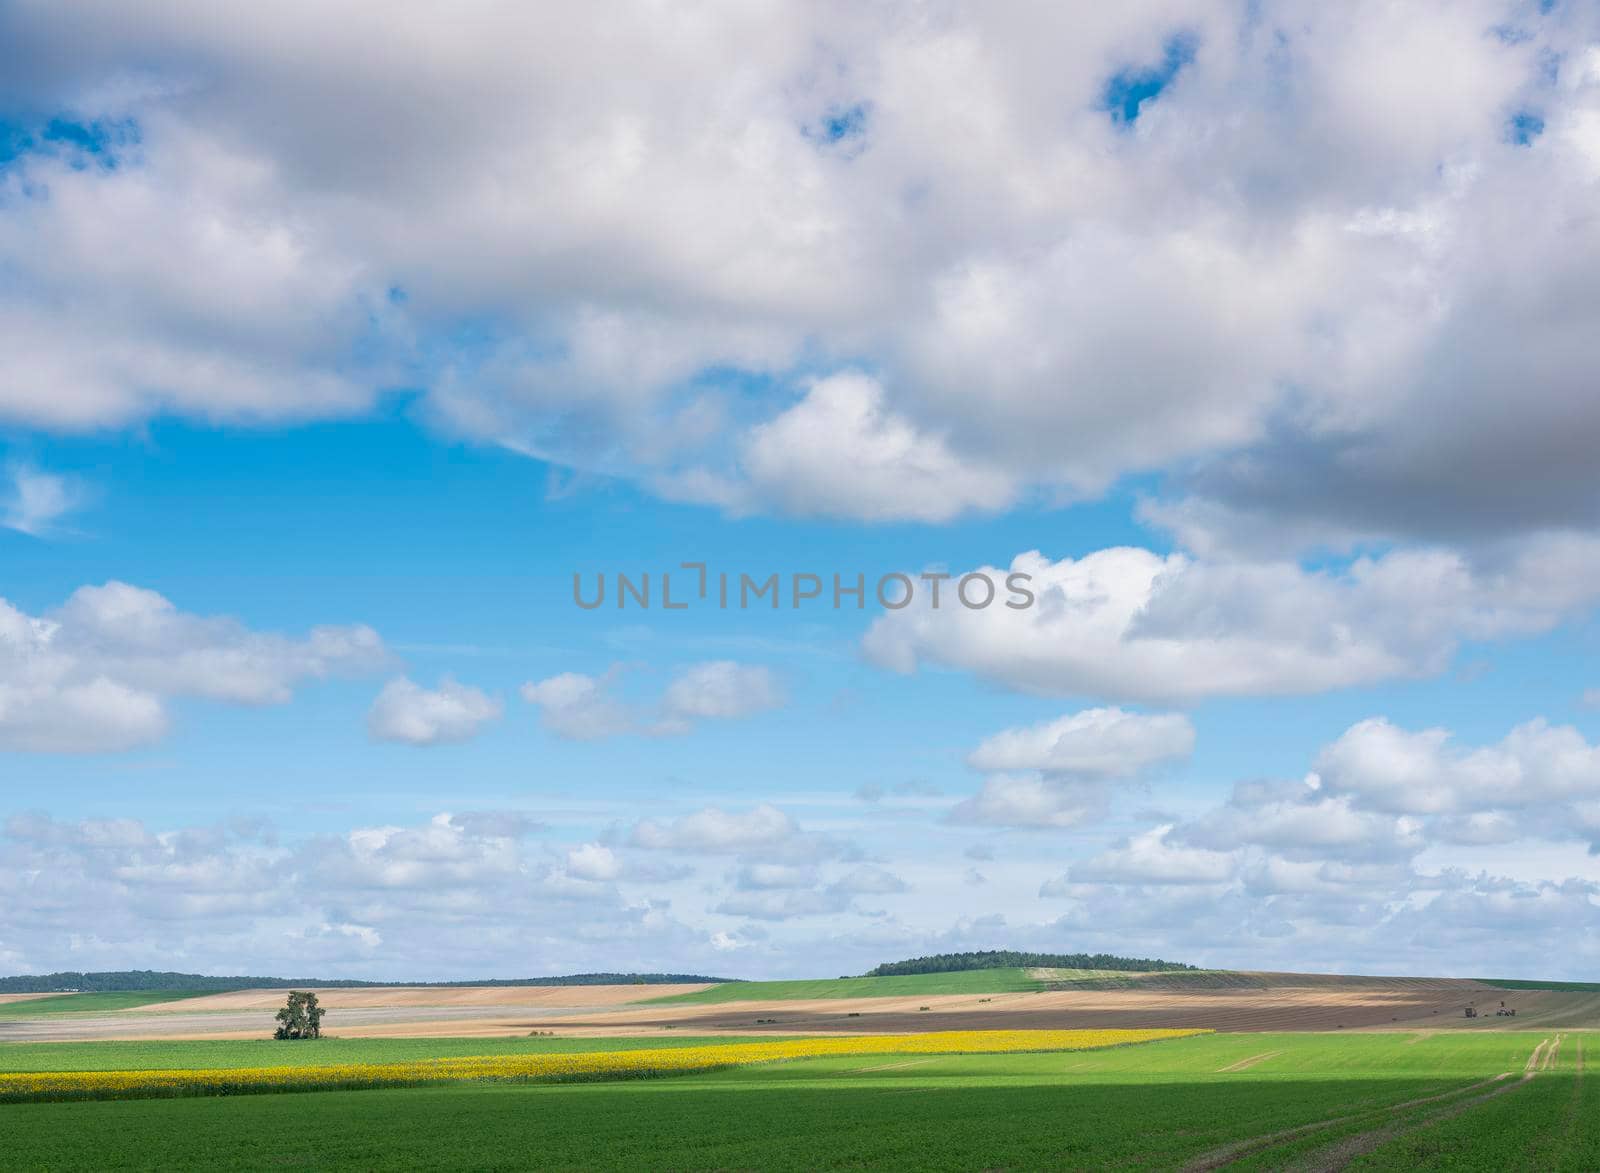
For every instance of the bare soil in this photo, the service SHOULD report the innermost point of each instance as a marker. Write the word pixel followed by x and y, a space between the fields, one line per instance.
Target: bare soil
pixel 1253 1002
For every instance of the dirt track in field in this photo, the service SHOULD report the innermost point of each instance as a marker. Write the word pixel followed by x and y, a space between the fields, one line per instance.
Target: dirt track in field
pixel 1261 1002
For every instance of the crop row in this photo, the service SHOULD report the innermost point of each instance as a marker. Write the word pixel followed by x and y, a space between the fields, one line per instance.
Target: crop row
pixel 541 1068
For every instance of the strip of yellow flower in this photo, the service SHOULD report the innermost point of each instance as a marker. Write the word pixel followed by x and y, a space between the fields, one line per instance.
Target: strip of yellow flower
pixel 545 1068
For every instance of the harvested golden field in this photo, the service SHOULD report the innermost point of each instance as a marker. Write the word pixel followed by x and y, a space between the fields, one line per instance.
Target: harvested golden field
pixel 409 996
pixel 1231 1002
pixel 1247 1002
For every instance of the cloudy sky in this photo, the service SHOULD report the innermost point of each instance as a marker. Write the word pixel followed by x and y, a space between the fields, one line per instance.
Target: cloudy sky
pixel 1260 335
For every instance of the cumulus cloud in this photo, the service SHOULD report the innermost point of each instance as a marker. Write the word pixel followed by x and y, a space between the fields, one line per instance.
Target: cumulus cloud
pixel 722 689
pixel 780 870
pixel 587 708
pixel 768 895
pixel 97 673
pixel 1257 271
pixel 1058 773
pixel 577 706
pixel 870 881
pixel 716 830
pixel 37 500
pixel 841 452
pixel 1033 800
pixel 1129 623
pixel 457 896
pixel 593 861
pixel 1297 821
pixel 405 711
pixel 1148 858
pixel 1102 743
pixel 1391 769
pixel 1342 857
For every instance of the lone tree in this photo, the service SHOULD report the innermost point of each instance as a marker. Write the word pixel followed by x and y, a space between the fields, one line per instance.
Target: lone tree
pixel 301 1018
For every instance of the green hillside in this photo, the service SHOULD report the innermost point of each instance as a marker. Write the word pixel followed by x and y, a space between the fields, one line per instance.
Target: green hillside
pixel 90 1003
pixel 975 981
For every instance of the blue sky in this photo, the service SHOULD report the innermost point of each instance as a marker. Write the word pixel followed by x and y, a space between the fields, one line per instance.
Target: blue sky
pixel 319 383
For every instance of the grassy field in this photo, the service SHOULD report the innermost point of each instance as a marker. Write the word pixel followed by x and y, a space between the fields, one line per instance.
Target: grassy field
pixel 1258 1101
pixel 1515 984
pixel 91 1003
pixel 215 1053
pixel 972 981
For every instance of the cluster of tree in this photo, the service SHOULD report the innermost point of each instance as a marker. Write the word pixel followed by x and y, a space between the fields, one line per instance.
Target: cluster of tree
pixel 1006 959
pixel 301 1018
pixel 145 979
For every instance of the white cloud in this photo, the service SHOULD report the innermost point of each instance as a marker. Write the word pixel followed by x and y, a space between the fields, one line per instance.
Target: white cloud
pixel 784 905
pixel 405 711
pixel 96 674
pixel 722 689
pixel 717 830
pixel 578 706
pixel 1129 623
pixel 1096 743
pixel 1267 271
pixel 870 881
pixel 758 876
pixel 1357 863
pixel 37 501
pixel 1148 858
pixel 587 708
pixel 1032 800
pixel 1301 823
pixel 1535 766
pixel 593 861
pixel 454 897
pixel 841 452
pixel 204 291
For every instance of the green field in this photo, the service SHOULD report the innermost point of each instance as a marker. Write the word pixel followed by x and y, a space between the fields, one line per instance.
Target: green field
pixel 91 1003
pixel 971 981
pixel 1516 984
pixel 215 1053
pixel 1382 1101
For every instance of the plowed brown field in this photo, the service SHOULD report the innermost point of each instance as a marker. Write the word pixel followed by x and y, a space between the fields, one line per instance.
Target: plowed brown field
pixel 1235 1002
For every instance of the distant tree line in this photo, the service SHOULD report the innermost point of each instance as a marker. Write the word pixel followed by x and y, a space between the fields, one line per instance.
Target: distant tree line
pixel 1006 959
pixel 123 980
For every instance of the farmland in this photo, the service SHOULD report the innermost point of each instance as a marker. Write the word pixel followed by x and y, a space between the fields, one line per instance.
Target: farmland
pixel 222 1053
pixel 35 1006
pixel 1379 1100
pixel 973 981
pixel 314 1073
pixel 1319 1071
pixel 1005 999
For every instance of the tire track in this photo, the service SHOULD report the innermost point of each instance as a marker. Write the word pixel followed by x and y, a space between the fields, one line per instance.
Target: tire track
pixel 1227 1154
pixel 1342 1152
pixel 883 1067
pixel 1246 1064
pixel 1575 1100
pixel 1348 1149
